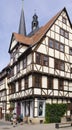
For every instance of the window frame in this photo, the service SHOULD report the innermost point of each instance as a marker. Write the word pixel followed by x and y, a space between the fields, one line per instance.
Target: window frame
pixel 64 33
pixel 38 58
pixel 45 60
pixel 50 82
pixel 37 81
pixel 24 63
pixel 61 84
pixel 51 45
pixel 64 20
pixel 58 64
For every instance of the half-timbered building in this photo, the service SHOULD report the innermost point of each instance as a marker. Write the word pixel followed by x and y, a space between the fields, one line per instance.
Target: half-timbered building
pixel 4 102
pixel 40 68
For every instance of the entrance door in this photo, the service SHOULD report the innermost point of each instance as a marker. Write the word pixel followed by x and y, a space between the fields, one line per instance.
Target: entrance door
pixel 18 108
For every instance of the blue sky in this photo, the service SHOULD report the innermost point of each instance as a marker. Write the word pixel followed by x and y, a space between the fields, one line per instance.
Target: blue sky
pixel 10 15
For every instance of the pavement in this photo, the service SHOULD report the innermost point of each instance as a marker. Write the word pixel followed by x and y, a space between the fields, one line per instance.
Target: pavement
pixel 4 125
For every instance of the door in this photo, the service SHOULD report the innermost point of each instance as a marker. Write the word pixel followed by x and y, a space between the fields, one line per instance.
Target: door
pixel 18 108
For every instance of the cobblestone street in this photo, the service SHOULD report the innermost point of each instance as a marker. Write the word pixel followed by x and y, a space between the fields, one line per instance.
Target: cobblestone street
pixel 7 126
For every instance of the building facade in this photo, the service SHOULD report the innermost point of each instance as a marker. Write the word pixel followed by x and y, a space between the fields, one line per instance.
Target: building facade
pixel 40 68
pixel 4 102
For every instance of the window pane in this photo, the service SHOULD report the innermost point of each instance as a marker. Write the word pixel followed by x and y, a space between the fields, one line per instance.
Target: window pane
pixel 66 35
pixel 64 20
pixel 70 51
pixel 50 83
pixel 61 65
pixel 40 108
pixel 56 64
pixel 37 81
pixel 45 60
pixel 51 43
pixel 24 63
pixel 38 58
pixel 56 45
pixel 61 47
pixel 60 84
pixel 62 32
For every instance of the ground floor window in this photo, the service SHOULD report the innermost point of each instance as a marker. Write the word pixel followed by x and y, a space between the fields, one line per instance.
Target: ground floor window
pixel 41 108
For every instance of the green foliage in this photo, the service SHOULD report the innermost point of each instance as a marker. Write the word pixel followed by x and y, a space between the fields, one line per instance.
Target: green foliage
pixel 54 112
pixel 8 117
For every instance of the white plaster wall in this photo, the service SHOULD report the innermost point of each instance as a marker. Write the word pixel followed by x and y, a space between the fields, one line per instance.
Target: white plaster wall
pixel 44 82
pixel 37 91
pixel 56 54
pixel 51 62
pixel 16 86
pixel 22 84
pixel 55 83
pixel 22 49
pixel 56 36
pixel 42 49
pixel 51 52
pixel 66 49
pixel 52 34
pixel 29 59
pixel 57 29
pixel 30 81
pixel 13 44
pixel 61 56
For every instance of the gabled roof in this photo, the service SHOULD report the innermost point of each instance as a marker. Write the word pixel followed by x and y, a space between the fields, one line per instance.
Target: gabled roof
pixel 31 41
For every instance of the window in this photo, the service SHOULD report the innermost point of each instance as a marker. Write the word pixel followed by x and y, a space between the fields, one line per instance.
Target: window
pixel 26 82
pixel 38 58
pixel 56 64
pixel 70 51
pixel 64 33
pixel 12 88
pixel 18 67
pixel 12 72
pixel 37 81
pixel 19 85
pixel 50 83
pixel 51 43
pixel 64 20
pixel 56 45
pixel 71 70
pixel 40 111
pixel 59 64
pixel 45 60
pixel 61 84
pixel 24 63
pixel 62 65
pixel 62 47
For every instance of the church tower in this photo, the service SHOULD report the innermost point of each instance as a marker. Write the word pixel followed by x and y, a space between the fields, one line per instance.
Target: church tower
pixel 35 23
pixel 22 26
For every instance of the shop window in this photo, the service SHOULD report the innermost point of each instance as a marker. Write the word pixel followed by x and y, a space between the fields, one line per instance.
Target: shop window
pixel 41 106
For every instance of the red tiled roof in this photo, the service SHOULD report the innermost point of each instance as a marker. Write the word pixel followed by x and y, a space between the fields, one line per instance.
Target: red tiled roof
pixel 40 33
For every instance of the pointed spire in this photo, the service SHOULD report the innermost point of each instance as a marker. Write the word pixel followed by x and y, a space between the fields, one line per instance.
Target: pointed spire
pixel 22 26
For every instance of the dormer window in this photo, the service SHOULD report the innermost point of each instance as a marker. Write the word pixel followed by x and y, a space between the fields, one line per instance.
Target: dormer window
pixel 64 20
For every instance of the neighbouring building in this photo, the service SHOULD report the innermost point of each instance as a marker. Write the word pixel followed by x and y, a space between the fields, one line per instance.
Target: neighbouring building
pixel 4 102
pixel 40 69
